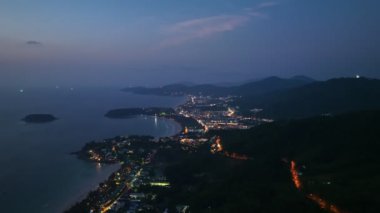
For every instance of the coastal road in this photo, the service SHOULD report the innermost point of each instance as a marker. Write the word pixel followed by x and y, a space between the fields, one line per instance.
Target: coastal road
pixel 128 185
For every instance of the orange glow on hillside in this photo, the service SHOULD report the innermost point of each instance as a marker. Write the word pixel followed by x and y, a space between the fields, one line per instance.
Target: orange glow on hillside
pixel 295 177
pixel 323 204
pixel 219 146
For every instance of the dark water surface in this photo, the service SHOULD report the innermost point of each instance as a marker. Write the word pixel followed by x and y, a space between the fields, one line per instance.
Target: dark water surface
pixel 37 172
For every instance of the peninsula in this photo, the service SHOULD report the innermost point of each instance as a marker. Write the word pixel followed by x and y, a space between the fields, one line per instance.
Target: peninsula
pixel 130 112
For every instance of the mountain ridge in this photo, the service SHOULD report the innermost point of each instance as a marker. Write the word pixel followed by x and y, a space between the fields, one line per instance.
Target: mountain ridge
pixel 262 86
pixel 324 97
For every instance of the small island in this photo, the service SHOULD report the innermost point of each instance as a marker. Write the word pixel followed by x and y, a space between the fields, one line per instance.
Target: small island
pixel 39 118
pixel 131 112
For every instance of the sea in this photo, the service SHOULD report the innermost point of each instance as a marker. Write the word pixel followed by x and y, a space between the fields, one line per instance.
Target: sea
pixel 38 173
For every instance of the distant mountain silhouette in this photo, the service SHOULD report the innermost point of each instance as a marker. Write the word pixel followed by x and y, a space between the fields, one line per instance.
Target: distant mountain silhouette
pixel 187 83
pixel 332 96
pixel 296 97
pixel 268 85
pixel 303 78
pixel 252 88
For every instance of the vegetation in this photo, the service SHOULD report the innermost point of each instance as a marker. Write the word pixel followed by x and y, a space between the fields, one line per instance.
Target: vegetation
pixel 330 97
pixel 338 154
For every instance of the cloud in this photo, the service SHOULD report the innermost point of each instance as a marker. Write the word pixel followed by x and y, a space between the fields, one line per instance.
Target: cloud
pixel 33 43
pixel 185 31
pixel 267 4
pixel 201 28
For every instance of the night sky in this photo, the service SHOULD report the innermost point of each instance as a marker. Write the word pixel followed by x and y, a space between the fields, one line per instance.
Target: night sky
pixel 153 42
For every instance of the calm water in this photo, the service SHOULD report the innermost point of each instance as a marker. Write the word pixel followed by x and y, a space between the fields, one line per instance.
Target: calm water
pixel 37 172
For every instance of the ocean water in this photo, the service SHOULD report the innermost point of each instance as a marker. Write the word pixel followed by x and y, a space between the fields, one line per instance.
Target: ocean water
pixel 37 171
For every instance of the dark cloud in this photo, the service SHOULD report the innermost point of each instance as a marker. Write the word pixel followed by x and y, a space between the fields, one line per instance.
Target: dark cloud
pixel 34 43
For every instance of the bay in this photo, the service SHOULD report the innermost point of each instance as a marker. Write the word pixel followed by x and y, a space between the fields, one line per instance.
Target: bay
pixel 37 171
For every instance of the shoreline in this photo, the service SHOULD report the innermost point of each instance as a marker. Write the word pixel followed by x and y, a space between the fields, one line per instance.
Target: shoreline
pixel 47 147
pixel 122 150
pixel 175 119
pixel 83 193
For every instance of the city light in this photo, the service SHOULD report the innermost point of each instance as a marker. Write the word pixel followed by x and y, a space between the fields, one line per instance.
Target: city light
pixel 295 177
pixel 323 204
pixel 161 184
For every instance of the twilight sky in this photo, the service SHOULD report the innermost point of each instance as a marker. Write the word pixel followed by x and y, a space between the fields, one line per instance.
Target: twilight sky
pixel 152 42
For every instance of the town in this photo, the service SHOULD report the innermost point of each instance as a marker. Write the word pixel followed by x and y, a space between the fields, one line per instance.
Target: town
pixel 215 113
pixel 147 180
pixel 136 185
pixel 131 188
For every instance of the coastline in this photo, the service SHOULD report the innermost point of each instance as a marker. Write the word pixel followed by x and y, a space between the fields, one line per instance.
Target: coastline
pixel 118 166
pixel 47 147
pixel 132 154
pixel 82 194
